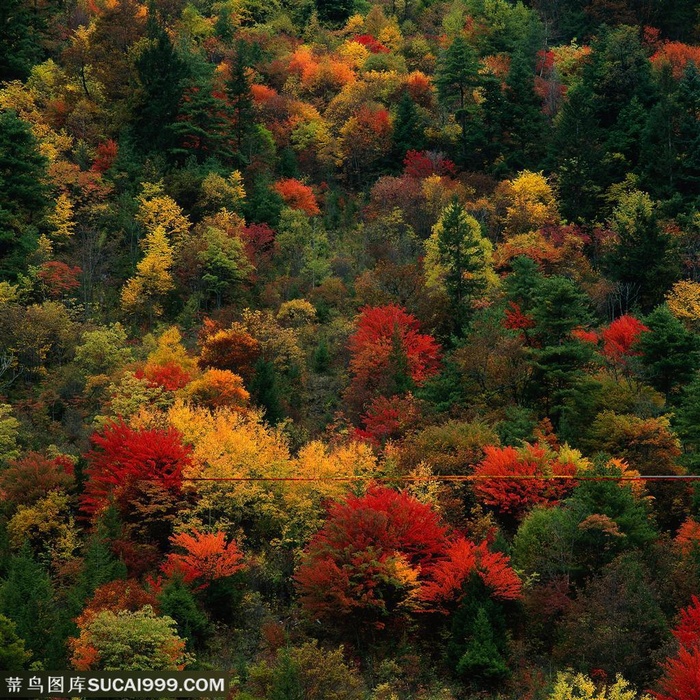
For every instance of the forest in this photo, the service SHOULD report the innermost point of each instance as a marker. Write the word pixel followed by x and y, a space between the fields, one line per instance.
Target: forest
pixel 353 346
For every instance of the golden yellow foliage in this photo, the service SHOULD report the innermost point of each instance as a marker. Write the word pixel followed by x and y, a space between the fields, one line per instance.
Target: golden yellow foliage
pixel 683 301
pixel 169 350
pixel 61 219
pixel 157 210
pixel 532 203
pixel 223 193
pixel 153 278
pixel 571 686
pixel 228 444
pixel 48 524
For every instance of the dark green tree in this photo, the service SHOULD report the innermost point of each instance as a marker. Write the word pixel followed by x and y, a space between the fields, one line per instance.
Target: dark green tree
pixel 686 421
pixel 688 99
pixel 644 260
pixel 203 124
pixel 264 389
pixel 525 125
pixel 659 143
pixel 23 193
pixel 577 155
pixel 558 358
pixel 20 46
pixel 161 73
pixel 670 353
pixel 462 255
pixel 26 598
pixel 240 98
pixel 334 12
pixel 13 655
pixel 456 77
pixel 409 129
pixel 177 601
pixel 478 640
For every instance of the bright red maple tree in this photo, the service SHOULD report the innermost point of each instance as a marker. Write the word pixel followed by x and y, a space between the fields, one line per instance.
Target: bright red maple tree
pixel 123 456
pixel 620 337
pixel 206 557
pixel 681 679
pixel 387 350
pixel 384 555
pixel 297 195
pixel 534 464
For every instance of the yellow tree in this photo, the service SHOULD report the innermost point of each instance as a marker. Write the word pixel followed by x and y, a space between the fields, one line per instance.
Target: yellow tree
pixel 683 302
pixel 145 292
pixel 530 203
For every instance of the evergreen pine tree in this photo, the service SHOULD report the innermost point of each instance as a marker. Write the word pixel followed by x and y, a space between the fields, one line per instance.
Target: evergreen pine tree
pixel 481 662
pixel 644 258
pixel 670 353
pixel 202 127
pixel 161 73
pixel 408 133
pixel 240 99
pixel 462 256
pixel 456 77
pixel 577 156
pixel 525 125
pixel 20 48
pixel 688 177
pixel 265 392
pixel 26 598
pixel 177 601
pixel 23 194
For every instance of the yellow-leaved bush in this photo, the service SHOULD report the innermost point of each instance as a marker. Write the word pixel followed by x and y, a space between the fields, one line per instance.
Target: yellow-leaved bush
pixel 571 686
pixel 229 448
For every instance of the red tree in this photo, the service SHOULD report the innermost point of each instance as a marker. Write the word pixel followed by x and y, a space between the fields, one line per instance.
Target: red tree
pixel 206 557
pixel 422 164
pixel 30 478
pixel 59 278
pixel 106 155
pixel 388 419
pixel 620 337
pixel 681 679
pixel 385 554
pixel 297 195
pixel 533 464
pixel 370 43
pixel 171 376
pixel 388 353
pixel 122 457
pixel 116 596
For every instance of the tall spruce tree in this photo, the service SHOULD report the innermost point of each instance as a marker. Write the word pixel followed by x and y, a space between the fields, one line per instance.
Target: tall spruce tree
pixel 460 255
pixel 456 78
pixel 161 74
pixel 23 193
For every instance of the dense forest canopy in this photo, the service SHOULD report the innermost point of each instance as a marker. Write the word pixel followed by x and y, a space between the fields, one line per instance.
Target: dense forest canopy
pixel 337 339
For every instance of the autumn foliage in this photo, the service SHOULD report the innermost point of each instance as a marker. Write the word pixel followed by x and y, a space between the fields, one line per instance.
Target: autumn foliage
pixel 227 349
pixel 59 278
pixel 536 481
pixel 116 595
pixel 681 679
pixel 620 337
pixel 386 554
pixel 122 456
pixel 33 476
pixel 297 195
pixel 206 557
pixel 386 348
